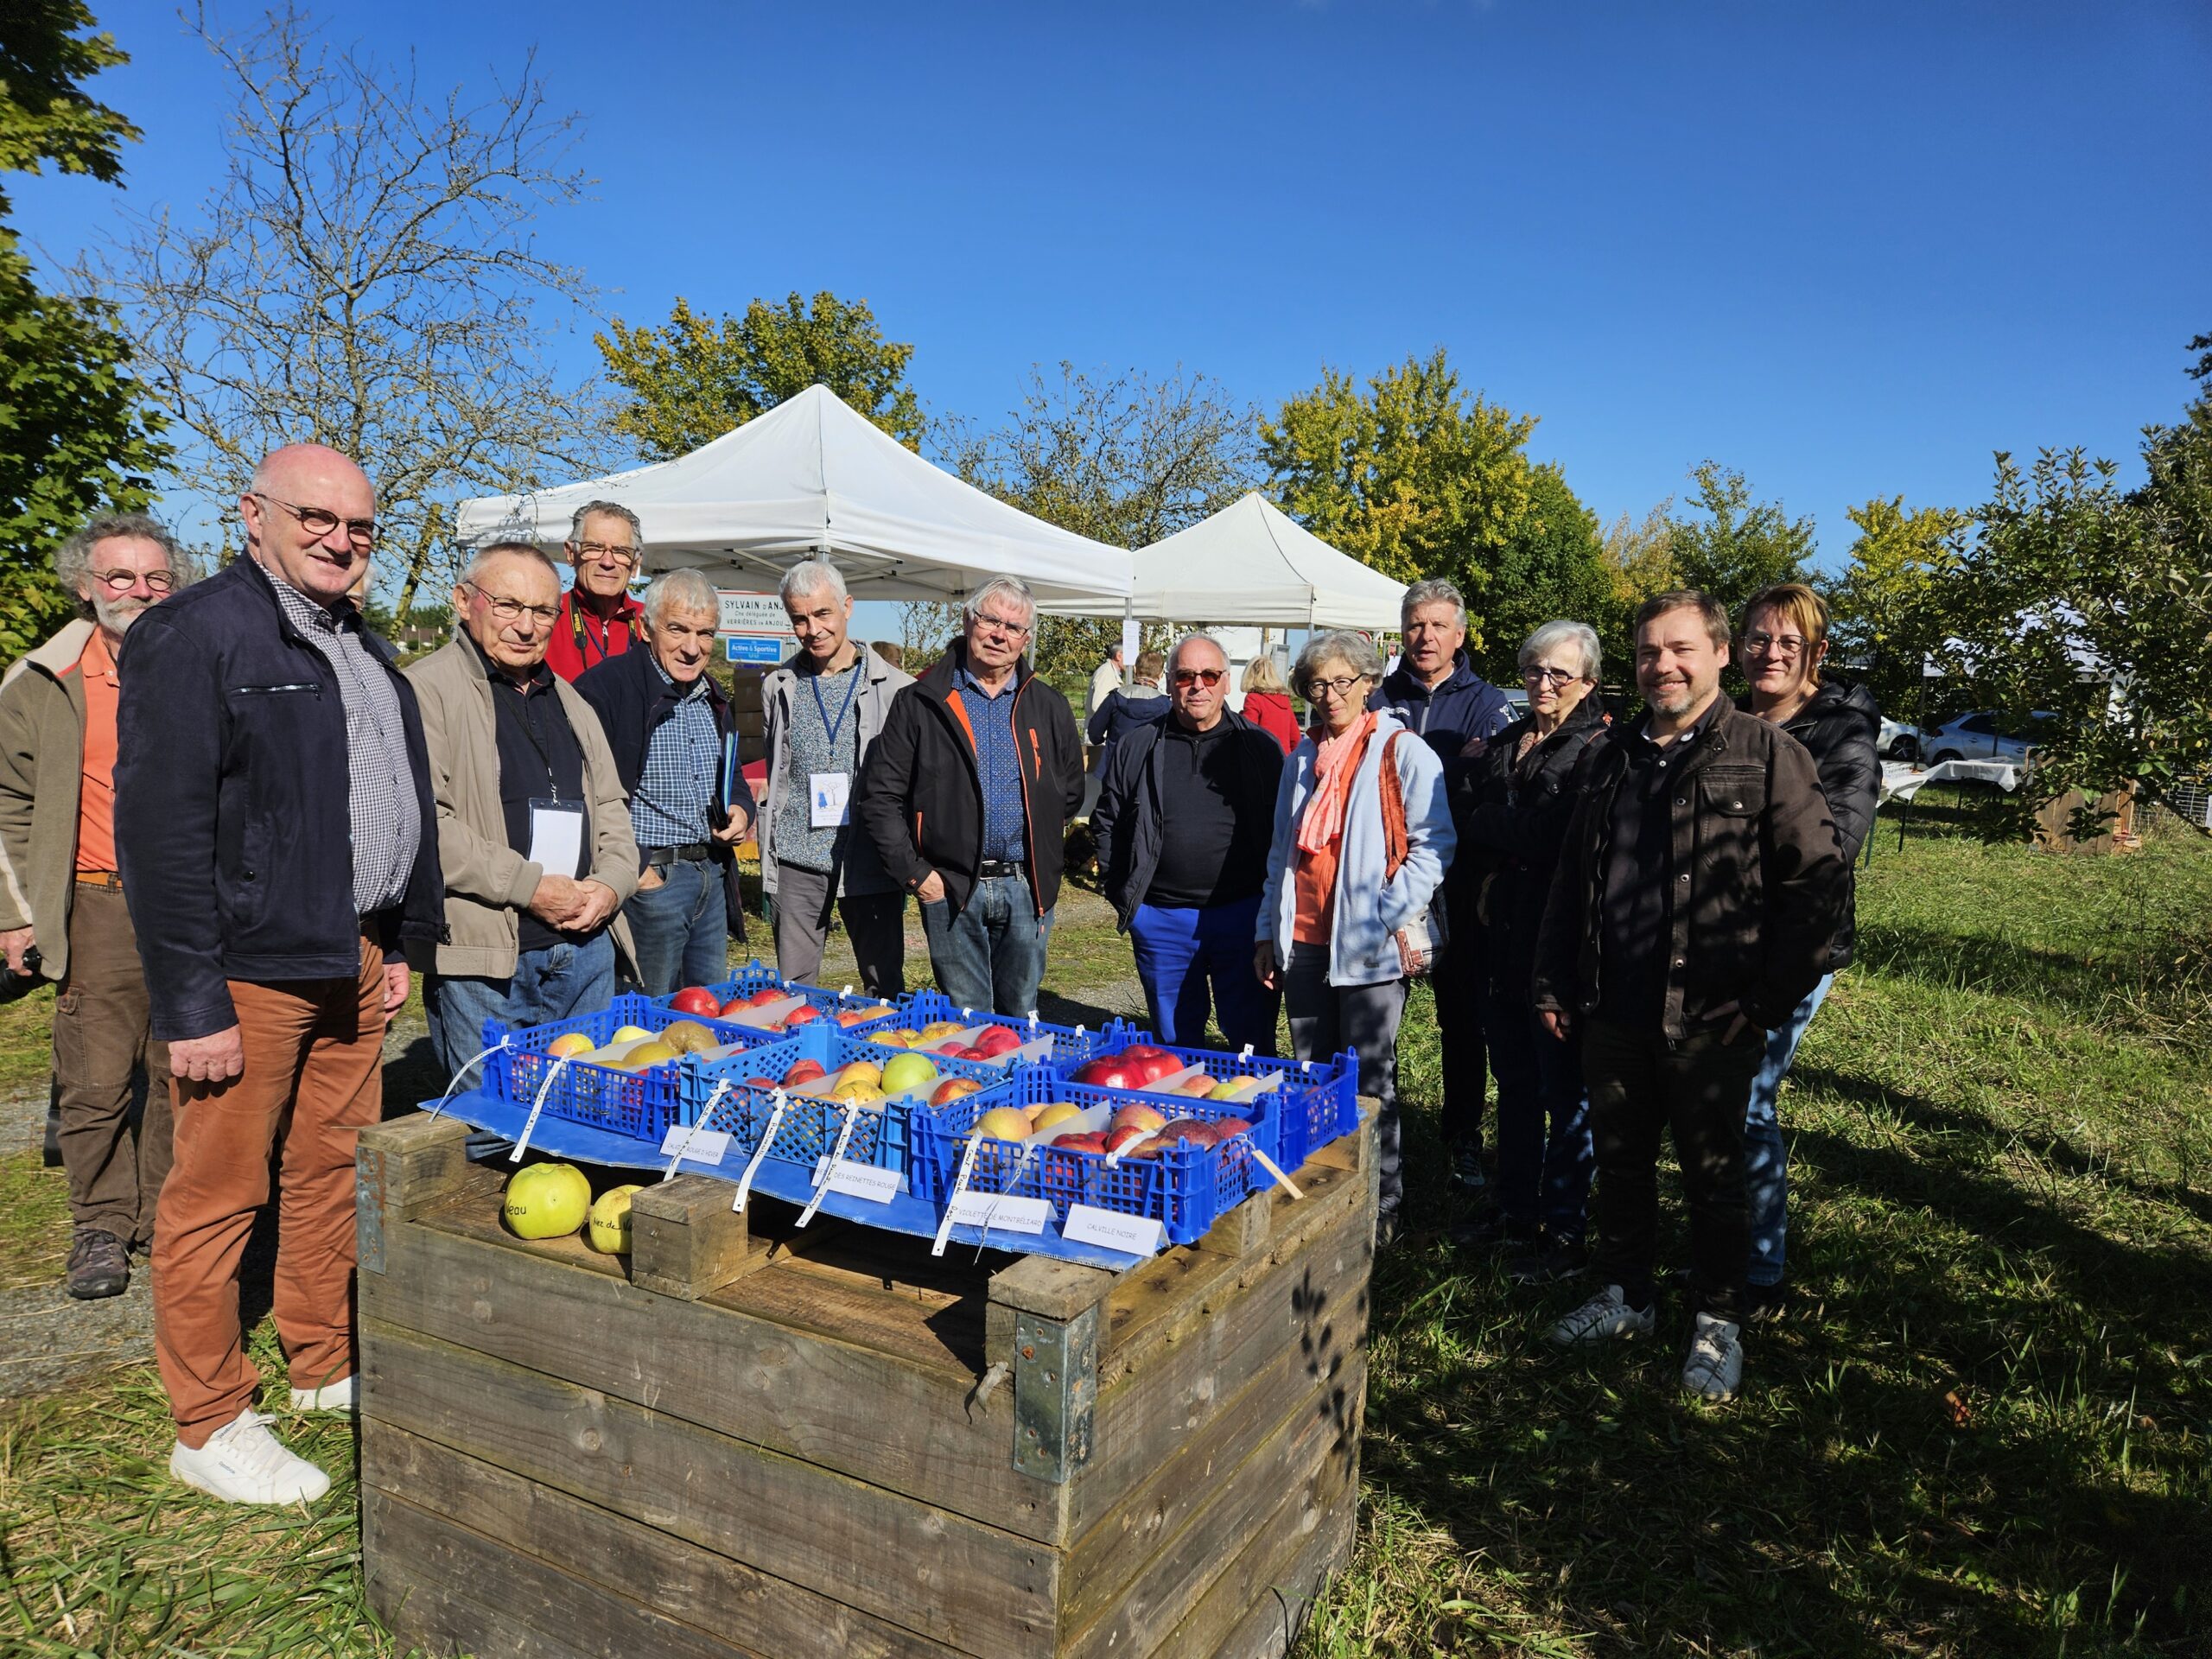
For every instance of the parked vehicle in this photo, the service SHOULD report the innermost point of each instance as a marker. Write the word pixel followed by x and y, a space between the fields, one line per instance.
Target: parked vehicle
pixel 1897 741
pixel 1976 737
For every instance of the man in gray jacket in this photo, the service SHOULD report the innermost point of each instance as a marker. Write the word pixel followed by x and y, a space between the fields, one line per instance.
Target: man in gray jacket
pixel 533 831
pixel 822 706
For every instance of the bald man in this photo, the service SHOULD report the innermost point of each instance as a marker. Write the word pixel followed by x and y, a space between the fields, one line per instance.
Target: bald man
pixel 278 839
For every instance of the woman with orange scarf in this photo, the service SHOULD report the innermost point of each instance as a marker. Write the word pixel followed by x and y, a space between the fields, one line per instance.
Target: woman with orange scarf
pixel 1363 837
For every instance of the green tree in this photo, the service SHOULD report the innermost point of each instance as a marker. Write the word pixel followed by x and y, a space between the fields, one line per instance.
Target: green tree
pixel 1886 619
pixel 77 436
pixel 691 381
pixel 1552 566
pixel 1407 473
pixel 1738 545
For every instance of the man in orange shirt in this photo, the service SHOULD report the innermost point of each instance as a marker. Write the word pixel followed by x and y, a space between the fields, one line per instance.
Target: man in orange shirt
pixel 61 908
pixel 599 620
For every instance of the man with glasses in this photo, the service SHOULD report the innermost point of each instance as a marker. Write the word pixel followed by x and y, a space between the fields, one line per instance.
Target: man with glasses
pixel 1185 817
pixel 278 838
pixel 967 796
pixel 598 619
pixel 62 912
pixel 533 829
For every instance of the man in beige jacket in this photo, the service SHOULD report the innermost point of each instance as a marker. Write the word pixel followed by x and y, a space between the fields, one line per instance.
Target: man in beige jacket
pixel 533 831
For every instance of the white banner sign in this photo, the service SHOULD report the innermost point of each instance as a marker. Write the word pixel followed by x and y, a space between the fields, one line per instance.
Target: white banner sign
pixel 753 613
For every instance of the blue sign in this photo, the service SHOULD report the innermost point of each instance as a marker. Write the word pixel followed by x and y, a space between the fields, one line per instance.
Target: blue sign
pixel 742 648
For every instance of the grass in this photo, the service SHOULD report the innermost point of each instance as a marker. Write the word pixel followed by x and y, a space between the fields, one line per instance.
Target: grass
pixel 1981 1428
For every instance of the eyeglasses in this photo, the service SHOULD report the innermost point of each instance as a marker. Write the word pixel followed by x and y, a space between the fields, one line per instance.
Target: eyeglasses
pixel 319 521
pixel 1781 644
pixel 1337 688
pixel 1199 675
pixel 1536 676
pixel 511 610
pixel 120 581
pixel 1000 624
pixel 597 550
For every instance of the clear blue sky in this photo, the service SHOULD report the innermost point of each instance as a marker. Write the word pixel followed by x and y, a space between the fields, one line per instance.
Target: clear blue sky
pixel 1850 249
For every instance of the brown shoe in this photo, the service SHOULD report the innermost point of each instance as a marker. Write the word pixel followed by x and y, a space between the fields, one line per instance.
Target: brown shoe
pixel 98 1265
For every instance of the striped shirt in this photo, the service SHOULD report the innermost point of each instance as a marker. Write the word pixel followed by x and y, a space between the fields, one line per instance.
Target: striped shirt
pixel 676 787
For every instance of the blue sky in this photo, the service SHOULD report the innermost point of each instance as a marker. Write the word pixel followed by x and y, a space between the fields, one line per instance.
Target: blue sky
pixel 1850 249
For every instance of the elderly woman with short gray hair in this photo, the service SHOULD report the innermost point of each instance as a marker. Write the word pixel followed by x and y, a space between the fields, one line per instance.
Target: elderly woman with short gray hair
pixel 1363 836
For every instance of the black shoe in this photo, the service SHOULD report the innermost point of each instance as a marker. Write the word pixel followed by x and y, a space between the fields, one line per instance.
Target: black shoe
pixel 1552 1259
pixel 1764 1302
pixel 1467 1167
pixel 98 1265
pixel 1490 1228
pixel 1386 1231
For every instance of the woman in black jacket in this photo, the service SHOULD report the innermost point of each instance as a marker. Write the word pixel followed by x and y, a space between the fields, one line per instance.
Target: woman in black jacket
pixel 1783 642
pixel 1510 804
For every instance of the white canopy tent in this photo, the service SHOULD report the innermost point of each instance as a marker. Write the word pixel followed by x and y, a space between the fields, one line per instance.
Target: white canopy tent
pixel 811 475
pixel 1249 564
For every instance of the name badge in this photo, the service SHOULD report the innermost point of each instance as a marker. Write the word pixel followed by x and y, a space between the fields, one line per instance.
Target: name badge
pixel 557 836
pixel 830 799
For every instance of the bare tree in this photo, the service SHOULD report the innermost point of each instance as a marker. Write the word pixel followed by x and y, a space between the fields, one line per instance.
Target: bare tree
pixel 364 276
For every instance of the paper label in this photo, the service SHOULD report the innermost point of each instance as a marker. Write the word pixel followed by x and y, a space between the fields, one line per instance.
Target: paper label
pixel 997 1215
pixel 698 1145
pixel 860 1181
pixel 829 799
pixel 1138 1235
pixel 557 836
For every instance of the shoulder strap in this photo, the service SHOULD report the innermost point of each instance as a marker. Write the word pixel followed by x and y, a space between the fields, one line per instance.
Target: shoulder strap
pixel 1396 841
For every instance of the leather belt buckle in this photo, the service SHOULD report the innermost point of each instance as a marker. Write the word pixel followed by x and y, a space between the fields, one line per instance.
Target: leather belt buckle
pixel 108 881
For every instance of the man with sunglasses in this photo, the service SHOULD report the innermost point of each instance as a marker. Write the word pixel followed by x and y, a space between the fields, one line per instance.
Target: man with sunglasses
pixel 967 796
pixel 1184 818
pixel 598 619
pixel 278 839
pixel 62 912
pixel 534 830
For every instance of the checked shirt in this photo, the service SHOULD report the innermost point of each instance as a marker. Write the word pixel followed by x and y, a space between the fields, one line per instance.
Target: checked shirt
pixel 677 786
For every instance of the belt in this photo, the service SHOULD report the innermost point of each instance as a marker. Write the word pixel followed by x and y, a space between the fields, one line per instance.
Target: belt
pixel 107 879
pixel 992 868
pixel 697 852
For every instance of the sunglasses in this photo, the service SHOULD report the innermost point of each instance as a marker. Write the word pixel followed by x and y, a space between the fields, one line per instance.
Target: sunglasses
pixel 1199 675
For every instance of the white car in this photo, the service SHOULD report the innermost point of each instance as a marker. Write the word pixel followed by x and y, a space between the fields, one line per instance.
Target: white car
pixel 1897 740
pixel 1975 737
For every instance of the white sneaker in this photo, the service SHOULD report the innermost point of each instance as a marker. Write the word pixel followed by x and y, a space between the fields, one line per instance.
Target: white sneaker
pixel 1715 1364
pixel 331 1396
pixel 1605 1316
pixel 244 1462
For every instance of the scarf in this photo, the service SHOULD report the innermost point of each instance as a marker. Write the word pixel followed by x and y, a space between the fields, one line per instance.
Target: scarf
pixel 1335 760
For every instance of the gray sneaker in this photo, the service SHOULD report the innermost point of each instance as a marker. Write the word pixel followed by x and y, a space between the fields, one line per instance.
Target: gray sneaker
pixel 1715 1364
pixel 1603 1317
pixel 98 1265
pixel 1467 1166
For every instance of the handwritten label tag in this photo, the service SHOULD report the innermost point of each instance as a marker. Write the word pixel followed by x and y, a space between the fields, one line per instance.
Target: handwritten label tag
pixel 697 1145
pixel 997 1215
pixel 1087 1225
pixel 860 1181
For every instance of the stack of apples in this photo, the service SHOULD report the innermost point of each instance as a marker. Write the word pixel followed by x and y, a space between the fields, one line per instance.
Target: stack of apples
pixel 947 1038
pixel 632 1048
pixel 1140 1065
pixel 1019 1122
pixel 1141 1131
pixel 901 1075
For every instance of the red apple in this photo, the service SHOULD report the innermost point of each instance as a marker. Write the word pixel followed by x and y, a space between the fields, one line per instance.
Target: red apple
pixel 805 1071
pixel 1228 1126
pixel 953 1089
pixel 1157 1066
pixel 805 1013
pixel 759 1082
pixel 971 1052
pixel 954 1049
pixel 762 999
pixel 1137 1115
pixel 996 1039
pixel 695 999
pixel 1146 1051
pixel 1088 1141
pixel 1108 1073
pixel 1120 1137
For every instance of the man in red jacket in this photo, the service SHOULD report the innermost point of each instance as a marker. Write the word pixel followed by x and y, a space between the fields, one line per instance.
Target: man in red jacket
pixel 598 617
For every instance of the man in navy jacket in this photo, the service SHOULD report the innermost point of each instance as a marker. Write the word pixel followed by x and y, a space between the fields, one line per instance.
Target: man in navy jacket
pixel 278 838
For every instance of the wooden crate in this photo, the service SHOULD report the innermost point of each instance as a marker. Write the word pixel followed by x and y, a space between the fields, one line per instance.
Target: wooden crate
pixel 757 1440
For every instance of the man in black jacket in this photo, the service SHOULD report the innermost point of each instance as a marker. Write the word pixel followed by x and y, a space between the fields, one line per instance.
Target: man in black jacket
pixel 278 839
pixel 1185 815
pixel 1697 892
pixel 668 725
pixel 967 796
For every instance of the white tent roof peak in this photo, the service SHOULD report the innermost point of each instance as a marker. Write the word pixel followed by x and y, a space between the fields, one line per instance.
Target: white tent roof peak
pixel 814 475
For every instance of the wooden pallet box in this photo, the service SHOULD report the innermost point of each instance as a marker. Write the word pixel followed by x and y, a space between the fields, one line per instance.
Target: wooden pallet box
pixel 750 1438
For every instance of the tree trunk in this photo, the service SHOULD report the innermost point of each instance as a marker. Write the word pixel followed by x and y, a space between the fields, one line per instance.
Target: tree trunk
pixel 418 562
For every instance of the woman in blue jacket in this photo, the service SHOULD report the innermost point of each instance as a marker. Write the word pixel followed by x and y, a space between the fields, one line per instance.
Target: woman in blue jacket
pixel 1363 836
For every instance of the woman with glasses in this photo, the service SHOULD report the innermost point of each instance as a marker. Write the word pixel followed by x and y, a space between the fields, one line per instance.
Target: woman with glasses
pixel 1363 836
pixel 1782 647
pixel 1510 805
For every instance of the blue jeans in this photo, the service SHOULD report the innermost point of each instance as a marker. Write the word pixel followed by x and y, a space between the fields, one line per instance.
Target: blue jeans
pixel 1766 1164
pixel 990 956
pixel 680 930
pixel 1545 1153
pixel 549 984
pixel 1180 950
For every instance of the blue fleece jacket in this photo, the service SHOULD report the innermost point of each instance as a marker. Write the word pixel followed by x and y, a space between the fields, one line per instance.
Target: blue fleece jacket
pixel 1466 706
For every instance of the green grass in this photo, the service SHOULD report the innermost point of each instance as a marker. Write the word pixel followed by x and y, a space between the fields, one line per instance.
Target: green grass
pixel 1981 1429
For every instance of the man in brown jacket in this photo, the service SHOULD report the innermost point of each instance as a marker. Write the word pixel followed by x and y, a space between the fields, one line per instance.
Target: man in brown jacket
pixel 533 831
pixel 1699 886
pixel 61 898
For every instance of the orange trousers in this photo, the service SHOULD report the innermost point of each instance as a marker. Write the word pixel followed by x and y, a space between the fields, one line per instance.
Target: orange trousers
pixel 313 1077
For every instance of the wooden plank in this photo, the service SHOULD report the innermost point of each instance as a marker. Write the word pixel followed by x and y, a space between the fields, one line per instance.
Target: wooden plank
pixel 1052 1290
pixel 956 1580
pixel 696 1587
pixel 533 1597
pixel 399 1168
pixel 1244 1229
pixel 429 1615
pixel 919 1327
pixel 1351 1151
pixel 1272 1624
pixel 895 1422
pixel 686 1241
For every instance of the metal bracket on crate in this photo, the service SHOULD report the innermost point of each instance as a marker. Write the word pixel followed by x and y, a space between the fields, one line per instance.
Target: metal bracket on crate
pixel 1055 1393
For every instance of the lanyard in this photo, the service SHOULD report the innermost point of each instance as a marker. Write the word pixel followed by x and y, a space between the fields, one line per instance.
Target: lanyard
pixel 606 633
pixel 829 725
pixel 530 731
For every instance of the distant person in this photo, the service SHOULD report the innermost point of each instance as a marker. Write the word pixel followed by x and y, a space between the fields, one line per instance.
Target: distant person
pixel 1784 642
pixel 278 842
pixel 1267 702
pixel 1363 836
pixel 1694 908
pixel 967 796
pixel 1185 817
pixel 1436 693
pixel 1105 680
pixel 824 706
pixel 1510 804
pixel 599 620
pixel 891 652
pixel 534 832
pixel 1145 701
pixel 61 897
pixel 668 725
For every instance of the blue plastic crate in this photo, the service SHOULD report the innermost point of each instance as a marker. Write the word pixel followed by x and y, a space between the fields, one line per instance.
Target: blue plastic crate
pixel 755 976
pixel 1071 1045
pixel 1186 1189
pixel 1316 1101
pixel 643 1105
